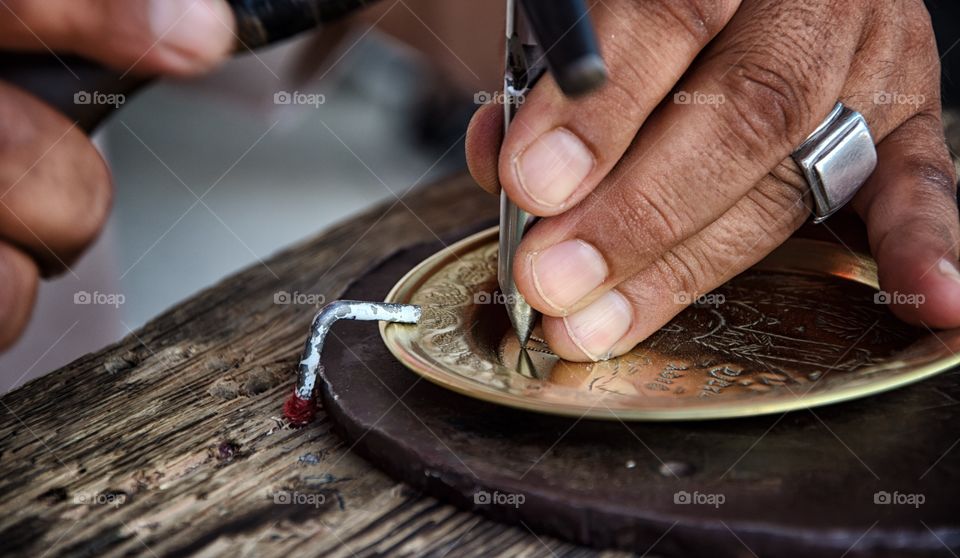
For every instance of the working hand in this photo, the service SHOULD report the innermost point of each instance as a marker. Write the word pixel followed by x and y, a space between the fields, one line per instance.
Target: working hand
pixel 676 175
pixel 54 188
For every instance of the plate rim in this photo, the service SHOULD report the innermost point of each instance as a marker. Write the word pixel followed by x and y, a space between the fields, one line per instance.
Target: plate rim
pixel 411 280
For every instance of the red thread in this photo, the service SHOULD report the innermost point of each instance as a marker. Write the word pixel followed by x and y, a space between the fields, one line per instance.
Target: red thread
pixel 299 412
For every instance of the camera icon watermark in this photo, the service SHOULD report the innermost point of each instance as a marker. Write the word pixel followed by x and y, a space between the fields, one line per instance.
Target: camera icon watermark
pixel 897 98
pixel 115 499
pixel 495 297
pixel 495 98
pixel 698 98
pixel 484 498
pixel 97 98
pixel 884 498
pixel 699 300
pixel 903 299
pixel 97 298
pixel 298 98
pixel 294 498
pixel 298 298
pixel 696 498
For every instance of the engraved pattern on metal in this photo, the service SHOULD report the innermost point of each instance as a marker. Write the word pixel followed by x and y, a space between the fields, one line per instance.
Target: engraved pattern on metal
pixel 800 329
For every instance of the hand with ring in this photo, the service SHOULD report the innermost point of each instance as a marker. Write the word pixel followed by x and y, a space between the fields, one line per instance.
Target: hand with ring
pixel 682 171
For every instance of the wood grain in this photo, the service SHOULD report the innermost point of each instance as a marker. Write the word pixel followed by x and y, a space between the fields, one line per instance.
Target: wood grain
pixel 171 440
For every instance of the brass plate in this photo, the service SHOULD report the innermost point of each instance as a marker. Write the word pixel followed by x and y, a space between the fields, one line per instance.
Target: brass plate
pixel 798 330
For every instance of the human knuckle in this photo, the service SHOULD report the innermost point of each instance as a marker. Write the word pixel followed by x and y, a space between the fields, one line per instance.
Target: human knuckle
pixel 682 271
pixel 75 218
pixel 699 19
pixel 623 95
pixel 705 266
pixel 59 187
pixel 767 102
pixel 776 206
pixel 647 221
pixel 785 185
pixel 938 182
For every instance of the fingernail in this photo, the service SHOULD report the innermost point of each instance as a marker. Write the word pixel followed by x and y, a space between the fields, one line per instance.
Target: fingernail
pixel 198 30
pixel 553 166
pixel 565 273
pixel 949 269
pixel 598 327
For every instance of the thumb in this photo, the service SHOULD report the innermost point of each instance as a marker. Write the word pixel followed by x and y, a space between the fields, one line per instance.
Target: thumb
pixel 909 205
pixel 144 36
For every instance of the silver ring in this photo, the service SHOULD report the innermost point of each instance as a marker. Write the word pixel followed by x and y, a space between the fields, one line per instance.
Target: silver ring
pixel 836 159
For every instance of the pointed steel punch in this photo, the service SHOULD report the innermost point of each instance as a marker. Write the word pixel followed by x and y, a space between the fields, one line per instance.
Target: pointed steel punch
pixel 563 27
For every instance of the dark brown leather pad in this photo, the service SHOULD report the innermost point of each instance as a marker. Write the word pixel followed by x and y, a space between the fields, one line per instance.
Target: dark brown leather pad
pixel 806 483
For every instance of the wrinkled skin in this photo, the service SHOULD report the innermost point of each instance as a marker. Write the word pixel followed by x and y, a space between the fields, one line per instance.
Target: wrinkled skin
pixel 676 175
pixel 648 197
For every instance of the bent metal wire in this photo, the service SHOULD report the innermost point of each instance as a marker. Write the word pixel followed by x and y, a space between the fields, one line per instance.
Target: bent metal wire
pixel 300 407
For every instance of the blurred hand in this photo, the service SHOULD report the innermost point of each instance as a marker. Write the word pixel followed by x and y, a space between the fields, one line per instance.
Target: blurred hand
pixel 676 175
pixel 54 188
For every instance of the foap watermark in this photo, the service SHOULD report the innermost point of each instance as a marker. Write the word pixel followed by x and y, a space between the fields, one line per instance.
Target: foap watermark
pixel 495 98
pixel 884 498
pixel 697 498
pixel 115 499
pixel 298 298
pixel 484 498
pixel 699 300
pixel 903 299
pixel 298 98
pixel 698 98
pixel 295 498
pixel 96 298
pixel 896 98
pixel 98 98
pixel 496 297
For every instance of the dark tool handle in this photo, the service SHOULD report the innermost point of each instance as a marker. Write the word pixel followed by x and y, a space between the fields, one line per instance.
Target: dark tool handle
pixel 62 82
pixel 566 34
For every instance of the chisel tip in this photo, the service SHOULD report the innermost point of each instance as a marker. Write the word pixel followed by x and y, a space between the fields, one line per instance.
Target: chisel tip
pixel 522 318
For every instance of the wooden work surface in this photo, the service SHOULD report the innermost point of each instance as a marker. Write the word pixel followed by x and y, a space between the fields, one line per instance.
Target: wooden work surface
pixel 172 441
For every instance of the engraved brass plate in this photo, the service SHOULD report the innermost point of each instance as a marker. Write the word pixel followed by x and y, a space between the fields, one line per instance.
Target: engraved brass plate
pixel 800 329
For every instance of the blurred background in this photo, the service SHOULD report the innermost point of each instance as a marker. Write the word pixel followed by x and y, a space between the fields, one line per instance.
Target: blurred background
pixel 216 174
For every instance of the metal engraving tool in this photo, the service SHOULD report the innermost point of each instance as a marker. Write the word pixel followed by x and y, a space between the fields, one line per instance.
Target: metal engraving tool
pixel 567 44
pixel 519 75
pixel 301 406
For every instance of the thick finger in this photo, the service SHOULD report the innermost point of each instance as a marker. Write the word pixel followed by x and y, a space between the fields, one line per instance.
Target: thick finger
pixel 692 162
pixel 558 149
pixel 55 189
pixel 613 324
pixel 483 146
pixel 176 36
pixel 18 290
pixel 743 235
pixel 694 266
pixel 926 215
pixel 910 208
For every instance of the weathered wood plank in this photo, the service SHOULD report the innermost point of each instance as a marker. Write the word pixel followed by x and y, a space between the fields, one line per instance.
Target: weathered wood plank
pixel 171 440
pixel 180 421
